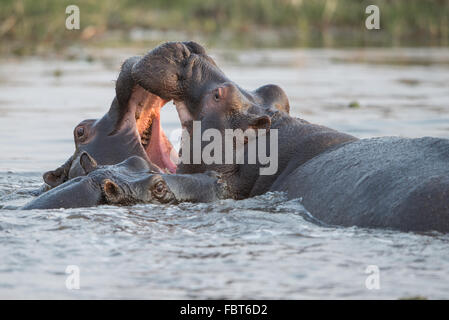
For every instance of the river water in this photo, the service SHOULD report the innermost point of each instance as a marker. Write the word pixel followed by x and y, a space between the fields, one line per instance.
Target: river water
pixel 264 247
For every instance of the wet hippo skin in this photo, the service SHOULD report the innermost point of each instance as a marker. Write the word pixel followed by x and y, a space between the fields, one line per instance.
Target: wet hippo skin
pixel 129 182
pixel 385 182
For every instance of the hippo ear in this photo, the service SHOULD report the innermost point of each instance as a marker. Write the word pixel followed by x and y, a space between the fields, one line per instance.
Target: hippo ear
pixel 60 175
pixel 87 163
pixel 260 122
pixel 112 191
pixel 55 177
pixel 274 96
pixel 195 47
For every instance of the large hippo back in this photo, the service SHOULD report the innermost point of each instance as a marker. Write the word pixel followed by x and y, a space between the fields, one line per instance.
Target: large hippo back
pixel 384 182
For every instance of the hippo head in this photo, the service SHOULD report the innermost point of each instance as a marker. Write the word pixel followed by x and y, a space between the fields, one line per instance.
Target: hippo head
pixel 159 188
pixel 184 73
pixel 133 181
pixel 150 188
pixel 131 127
pixel 128 182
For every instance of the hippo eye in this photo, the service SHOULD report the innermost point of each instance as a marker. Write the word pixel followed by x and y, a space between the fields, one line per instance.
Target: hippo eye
pixel 217 94
pixel 79 132
pixel 159 189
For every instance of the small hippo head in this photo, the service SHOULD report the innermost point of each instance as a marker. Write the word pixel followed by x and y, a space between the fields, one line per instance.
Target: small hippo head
pixel 164 188
pixel 152 188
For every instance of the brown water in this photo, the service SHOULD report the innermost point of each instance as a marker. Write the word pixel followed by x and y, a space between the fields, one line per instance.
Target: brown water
pixel 263 247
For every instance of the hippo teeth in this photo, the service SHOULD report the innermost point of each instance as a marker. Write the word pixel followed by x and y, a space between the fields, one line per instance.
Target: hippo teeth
pixel 146 135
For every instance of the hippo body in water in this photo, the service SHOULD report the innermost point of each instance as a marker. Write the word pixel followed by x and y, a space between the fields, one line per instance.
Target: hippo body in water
pixel 386 182
pixel 395 183
pixel 129 182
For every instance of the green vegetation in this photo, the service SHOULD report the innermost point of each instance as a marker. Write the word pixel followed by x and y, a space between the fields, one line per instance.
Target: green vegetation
pixel 354 105
pixel 414 298
pixel 30 26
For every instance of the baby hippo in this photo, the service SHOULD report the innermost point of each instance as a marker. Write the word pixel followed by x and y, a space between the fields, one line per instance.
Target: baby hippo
pixel 129 182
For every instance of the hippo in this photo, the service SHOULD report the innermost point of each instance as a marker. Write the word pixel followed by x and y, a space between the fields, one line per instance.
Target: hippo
pixel 184 73
pixel 127 183
pixel 131 127
pixel 387 182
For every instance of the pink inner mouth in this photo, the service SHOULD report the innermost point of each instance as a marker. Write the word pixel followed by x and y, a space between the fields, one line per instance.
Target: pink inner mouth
pixel 159 149
pixel 148 124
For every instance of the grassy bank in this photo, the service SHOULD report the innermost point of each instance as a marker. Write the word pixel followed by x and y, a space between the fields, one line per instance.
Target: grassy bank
pixel 30 26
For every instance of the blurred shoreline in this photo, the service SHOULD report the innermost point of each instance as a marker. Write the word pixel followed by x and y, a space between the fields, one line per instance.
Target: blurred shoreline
pixel 30 27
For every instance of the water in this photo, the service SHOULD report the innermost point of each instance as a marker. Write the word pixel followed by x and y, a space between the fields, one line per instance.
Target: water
pixel 264 247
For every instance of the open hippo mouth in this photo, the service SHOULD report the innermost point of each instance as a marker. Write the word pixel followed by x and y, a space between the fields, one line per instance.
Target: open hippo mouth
pixel 131 127
pixel 152 137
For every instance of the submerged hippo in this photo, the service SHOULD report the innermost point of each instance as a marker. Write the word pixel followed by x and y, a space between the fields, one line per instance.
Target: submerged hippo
pixel 395 183
pixel 129 182
pixel 131 127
